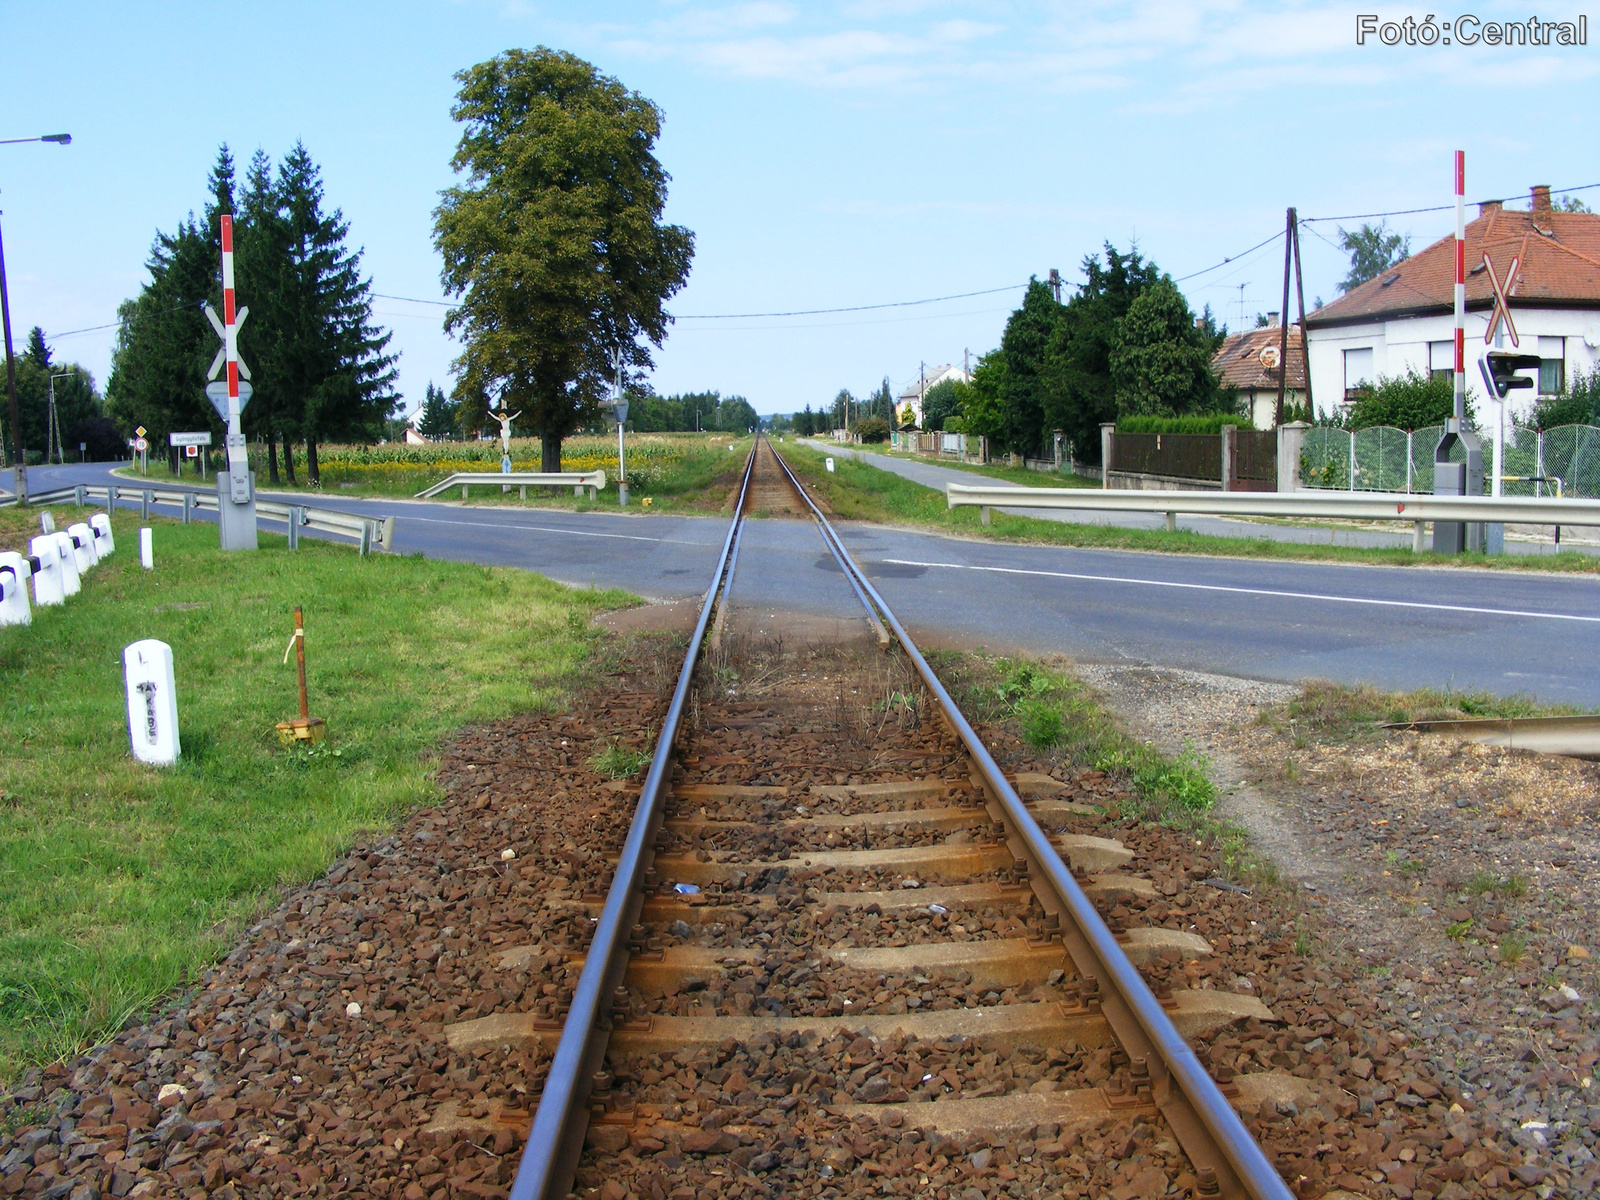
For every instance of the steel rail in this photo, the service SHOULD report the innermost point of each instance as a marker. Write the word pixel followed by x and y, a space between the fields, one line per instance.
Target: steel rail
pixel 1204 1121
pixel 835 548
pixel 555 1140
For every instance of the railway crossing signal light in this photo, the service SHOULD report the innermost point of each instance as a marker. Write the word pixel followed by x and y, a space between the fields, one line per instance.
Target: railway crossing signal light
pixel 1500 371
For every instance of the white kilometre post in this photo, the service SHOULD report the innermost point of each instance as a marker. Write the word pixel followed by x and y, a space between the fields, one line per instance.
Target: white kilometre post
pixel 152 702
pixel 235 493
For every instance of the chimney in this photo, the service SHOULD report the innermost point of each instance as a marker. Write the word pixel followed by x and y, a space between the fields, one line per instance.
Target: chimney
pixel 1488 208
pixel 1541 197
pixel 1272 320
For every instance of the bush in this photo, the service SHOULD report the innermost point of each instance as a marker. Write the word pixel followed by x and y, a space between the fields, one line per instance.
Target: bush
pixel 873 429
pixel 1407 401
pixel 1578 403
pixel 1194 423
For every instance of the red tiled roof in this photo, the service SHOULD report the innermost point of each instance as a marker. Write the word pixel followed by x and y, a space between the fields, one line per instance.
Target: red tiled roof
pixel 1239 360
pixel 1560 254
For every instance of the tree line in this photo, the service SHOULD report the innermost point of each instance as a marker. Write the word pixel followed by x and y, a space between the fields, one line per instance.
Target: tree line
pixel 443 417
pixel 318 364
pixel 1126 343
pixel 80 417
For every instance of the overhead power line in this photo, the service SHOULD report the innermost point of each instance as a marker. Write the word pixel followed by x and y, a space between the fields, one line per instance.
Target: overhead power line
pixel 1406 212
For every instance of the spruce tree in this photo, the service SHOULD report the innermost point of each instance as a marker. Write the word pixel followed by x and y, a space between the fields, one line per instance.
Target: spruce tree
pixel 438 419
pixel 333 378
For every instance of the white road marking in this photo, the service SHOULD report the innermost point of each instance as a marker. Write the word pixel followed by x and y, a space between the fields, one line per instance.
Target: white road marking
pixel 504 526
pixel 1242 591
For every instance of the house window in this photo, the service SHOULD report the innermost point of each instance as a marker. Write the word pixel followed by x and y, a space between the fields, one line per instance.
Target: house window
pixel 1552 365
pixel 1357 372
pixel 1441 359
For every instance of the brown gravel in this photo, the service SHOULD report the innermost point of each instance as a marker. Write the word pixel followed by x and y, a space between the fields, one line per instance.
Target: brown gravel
pixel 1456 886
pixel 1398 1082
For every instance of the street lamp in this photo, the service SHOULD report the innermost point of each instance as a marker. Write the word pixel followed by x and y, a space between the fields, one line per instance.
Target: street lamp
pixel 19 469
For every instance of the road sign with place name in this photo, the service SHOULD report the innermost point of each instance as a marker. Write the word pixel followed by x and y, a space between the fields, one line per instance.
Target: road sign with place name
pixel 191 439
pixel 217 393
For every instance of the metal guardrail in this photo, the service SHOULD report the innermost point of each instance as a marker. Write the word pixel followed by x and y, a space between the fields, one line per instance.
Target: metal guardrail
pixel 595 481
pixel 1576 737
pixel 1350 506
pixel 370 533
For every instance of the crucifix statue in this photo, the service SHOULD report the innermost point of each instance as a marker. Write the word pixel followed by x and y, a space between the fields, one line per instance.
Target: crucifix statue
pixel 505 436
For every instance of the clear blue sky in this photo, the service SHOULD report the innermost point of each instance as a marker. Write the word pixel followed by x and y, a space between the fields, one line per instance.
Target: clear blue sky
pixel 825 154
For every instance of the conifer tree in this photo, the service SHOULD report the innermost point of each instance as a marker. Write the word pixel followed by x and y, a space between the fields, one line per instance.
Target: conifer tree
pixel 438 419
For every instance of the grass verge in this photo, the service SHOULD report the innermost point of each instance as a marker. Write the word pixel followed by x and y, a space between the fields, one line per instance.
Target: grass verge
pixel 1056 714
pixel 118 882
pixel 860 491
pixel 678 472
pixel 991 470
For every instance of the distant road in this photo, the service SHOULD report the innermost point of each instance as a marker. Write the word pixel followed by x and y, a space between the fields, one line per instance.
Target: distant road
pixel 1393 627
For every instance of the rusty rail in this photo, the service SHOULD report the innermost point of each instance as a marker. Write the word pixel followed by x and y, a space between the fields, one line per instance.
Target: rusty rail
pixel 1211 1133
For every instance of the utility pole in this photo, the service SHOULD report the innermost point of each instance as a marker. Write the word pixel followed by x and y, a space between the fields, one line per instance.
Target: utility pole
pixel 966 361
pixel 1055 284
pixel 19 468
pixel 1283 314
pixel 1300 293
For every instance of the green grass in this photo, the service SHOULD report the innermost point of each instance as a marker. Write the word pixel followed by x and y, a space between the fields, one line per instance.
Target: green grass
pixel 619 762
pixel 992 470
pixel 679 472
pixel 119 882
pixel 1053 711
pixel 859 491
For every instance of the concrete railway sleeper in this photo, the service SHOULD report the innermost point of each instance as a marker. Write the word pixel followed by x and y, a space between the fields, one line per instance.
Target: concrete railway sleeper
pixel 816 944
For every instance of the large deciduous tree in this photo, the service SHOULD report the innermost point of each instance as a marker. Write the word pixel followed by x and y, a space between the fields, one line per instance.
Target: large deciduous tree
pixel 554 242
pixel 1373 249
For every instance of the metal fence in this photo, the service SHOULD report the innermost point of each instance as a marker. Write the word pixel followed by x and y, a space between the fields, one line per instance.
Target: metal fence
pixel 1175 455
pixel 1565 459
pixel 1255 460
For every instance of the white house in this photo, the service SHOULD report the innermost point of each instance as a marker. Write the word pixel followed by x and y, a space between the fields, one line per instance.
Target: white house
pixel 920 386
pixel 1404 318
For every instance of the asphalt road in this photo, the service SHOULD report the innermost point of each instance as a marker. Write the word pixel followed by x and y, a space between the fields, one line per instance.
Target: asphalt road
pixel 1499 631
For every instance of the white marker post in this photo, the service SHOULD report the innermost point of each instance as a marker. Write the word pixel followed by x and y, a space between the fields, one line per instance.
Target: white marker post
pixel 47 588
pixel 67 554
pixel 105 540
pixel 83 547
pixel 14 572
pixel 152 702
pixel 147 553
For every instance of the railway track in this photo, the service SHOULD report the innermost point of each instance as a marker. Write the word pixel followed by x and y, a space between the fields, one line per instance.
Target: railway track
pixel 827 947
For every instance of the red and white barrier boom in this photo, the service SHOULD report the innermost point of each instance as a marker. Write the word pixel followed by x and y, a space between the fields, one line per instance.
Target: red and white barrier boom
pixel 229 397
